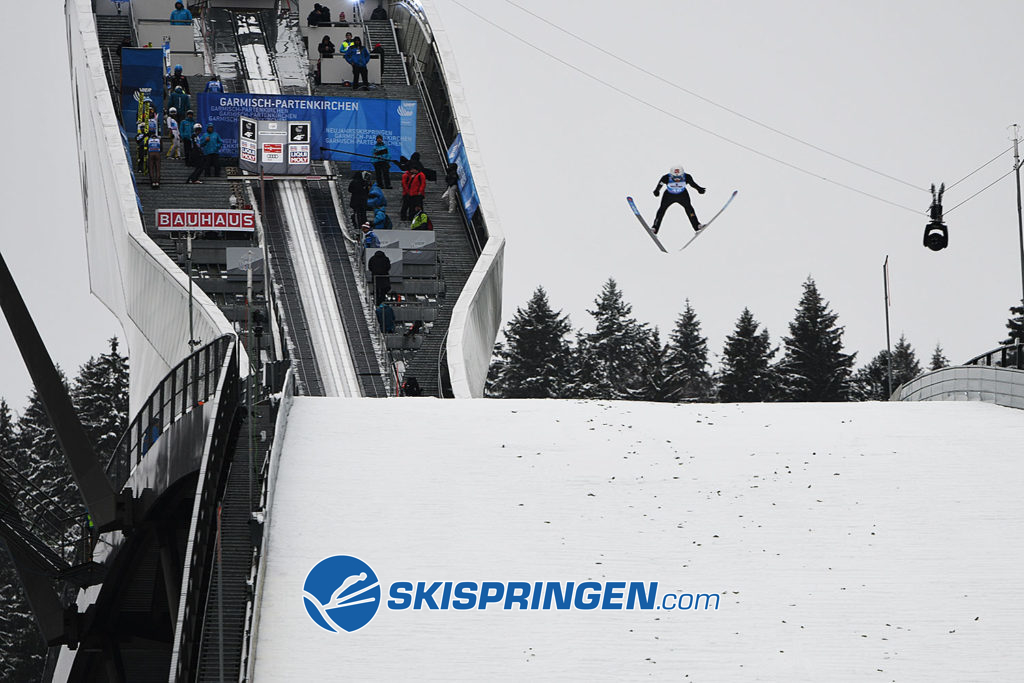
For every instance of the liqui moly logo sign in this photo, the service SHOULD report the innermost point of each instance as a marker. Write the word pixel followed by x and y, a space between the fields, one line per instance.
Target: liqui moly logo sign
pixel 240 220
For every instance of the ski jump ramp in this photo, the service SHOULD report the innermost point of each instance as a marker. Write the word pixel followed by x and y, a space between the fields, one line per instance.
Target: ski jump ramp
pixel 522 539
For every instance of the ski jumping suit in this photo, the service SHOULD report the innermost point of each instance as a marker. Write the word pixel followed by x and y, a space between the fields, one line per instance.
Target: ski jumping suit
pixel 675 193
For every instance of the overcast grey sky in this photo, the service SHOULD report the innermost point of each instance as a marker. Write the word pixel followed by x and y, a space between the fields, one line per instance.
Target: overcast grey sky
pixel 41 231
pixel 923 91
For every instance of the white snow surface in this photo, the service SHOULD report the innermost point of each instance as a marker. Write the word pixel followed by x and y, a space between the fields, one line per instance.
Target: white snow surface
pixel 852 541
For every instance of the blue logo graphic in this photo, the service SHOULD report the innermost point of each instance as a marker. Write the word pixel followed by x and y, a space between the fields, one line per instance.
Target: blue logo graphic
pixel 341 593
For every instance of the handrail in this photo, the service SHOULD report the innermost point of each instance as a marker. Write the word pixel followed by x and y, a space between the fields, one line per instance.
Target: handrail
pixel 197 569
pixel 1010 356
pixel 435 125
pixel 187 386
pixel 421 19
pixel 398 49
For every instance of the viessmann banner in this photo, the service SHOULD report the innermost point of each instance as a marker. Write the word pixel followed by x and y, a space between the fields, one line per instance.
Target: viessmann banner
pixel 339 123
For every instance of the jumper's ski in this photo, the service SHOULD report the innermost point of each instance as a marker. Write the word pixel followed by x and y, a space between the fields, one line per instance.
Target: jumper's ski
pixel 640 218
pixel 710 220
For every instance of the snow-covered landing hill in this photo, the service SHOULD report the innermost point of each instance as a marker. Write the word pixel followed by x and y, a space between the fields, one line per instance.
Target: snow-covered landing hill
pixel 854 541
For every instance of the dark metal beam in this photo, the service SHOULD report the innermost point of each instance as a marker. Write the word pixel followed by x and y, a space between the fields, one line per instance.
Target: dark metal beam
pixel 98 494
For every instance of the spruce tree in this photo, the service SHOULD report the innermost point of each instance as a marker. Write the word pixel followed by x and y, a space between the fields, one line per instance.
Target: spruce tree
pixel 534 362
pixel 747 372
pixel 654 377
pixel 100 395
pixel 611 360
pixel 686 360
pixel 939 359
pixel 21 656
pixel 491 387
pixel 814 367
pixel 1015 325
pixel 587 377
pixel 872 381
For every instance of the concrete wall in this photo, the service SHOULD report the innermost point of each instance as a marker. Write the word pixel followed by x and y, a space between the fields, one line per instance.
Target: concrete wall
pixel 989 384
pixel 132 276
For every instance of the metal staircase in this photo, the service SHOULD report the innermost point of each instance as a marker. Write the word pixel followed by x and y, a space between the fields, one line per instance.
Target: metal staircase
pixel 382 31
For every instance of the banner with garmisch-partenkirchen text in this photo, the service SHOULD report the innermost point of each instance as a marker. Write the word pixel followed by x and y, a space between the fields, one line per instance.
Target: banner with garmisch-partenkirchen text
pixel 346 124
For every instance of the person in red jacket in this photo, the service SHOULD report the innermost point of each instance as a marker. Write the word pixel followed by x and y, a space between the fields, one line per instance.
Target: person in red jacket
pixel 414 186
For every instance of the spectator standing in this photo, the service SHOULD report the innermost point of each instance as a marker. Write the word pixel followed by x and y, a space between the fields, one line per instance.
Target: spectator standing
pixel 211 144
pixel 380 267
pixel 382 162
pixel 186 129
pixel 314 17
pixel 141 147
pixel 154 145
pixel 341 19
pixel 347 43
pixel 178 78
pixel 172 124
pixel 379 14
pixel 414 186
pixel 358 56
pixel 180 16
pixel 378 50
pixel 214 85
pixel 451 179
pixel 179 101
pixel 195 158
pixel 358 193
pixel 325 15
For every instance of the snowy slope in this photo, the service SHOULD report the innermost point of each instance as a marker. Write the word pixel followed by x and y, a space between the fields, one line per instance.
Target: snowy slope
pixel 851 541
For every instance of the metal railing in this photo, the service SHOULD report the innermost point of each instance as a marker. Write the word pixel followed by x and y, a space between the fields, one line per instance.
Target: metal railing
pixel 198 566
pixel 187 387
pixel 1009 356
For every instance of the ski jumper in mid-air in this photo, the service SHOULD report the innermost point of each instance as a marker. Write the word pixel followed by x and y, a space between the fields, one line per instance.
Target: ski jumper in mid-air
pixel 675 182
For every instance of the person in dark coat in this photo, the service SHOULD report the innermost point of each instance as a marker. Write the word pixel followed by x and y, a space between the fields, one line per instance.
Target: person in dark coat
pixel 358 192
pixel 380 267
pixel 451 179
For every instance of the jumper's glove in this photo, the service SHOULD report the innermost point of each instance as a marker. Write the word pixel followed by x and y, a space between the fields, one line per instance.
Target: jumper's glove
pixel 657 191
pixel 701 190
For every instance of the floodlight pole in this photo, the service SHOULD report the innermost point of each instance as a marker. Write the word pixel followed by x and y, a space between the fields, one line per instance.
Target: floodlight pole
pixel 1020 218
pixel 192 341
pixel 888 345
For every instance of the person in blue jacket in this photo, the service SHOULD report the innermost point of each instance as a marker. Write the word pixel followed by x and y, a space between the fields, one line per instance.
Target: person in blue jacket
pixel 210 143
pixel 370 239
pixel 214 85
pixel 375 198
pixel 358 56
pixel 382 162
pixel 180 16
pixel 381 220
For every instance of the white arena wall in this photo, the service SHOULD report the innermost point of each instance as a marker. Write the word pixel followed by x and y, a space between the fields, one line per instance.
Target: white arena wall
pixel 138 282
pixel 985 383
pixel 476 318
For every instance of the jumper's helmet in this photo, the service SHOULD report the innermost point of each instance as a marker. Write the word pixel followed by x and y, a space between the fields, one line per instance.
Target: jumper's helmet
pixel 676 170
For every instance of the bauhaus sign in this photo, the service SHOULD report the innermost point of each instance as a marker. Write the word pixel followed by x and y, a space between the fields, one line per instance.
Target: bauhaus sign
pixel 240 220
